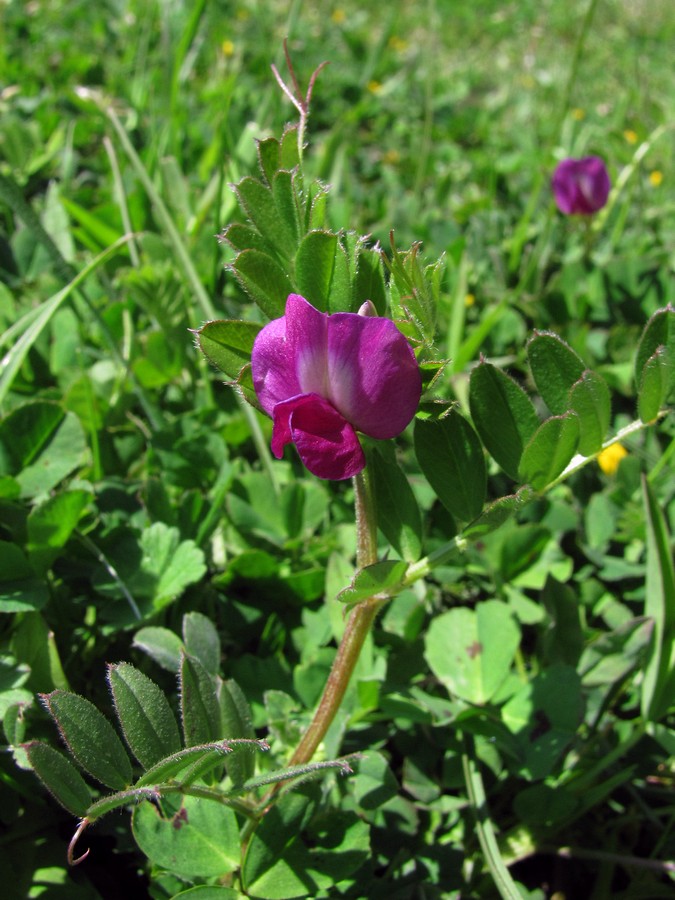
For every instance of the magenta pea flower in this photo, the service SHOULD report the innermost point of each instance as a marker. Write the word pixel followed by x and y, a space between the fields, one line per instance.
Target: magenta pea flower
pixel 322 378
pixel 581 186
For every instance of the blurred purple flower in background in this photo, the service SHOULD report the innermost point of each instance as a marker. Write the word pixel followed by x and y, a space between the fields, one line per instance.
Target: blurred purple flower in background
pixel 324 377
pixel 580 186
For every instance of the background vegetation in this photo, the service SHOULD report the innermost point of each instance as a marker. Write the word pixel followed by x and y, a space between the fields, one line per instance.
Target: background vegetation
pixel 131 491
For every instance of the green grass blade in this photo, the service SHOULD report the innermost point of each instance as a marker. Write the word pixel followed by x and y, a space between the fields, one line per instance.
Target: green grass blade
pixel 12 361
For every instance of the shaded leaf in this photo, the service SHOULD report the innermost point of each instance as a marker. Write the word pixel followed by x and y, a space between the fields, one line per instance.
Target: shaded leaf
pixel 503 415
pixel 452 459
pixel 549 450
pixel 555 368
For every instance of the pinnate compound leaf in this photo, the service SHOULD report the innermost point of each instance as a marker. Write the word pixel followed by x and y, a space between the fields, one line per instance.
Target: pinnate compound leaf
pixel 59 776
pixel 452 459
pixel 471 651
pixel 199 704
pixel 398 515
pixel 503 415
pixel 228 344
pixel 549 450
pixel 555 368
pixel 590 399
pixel 201 840
pixel 147 721
pixel 90 738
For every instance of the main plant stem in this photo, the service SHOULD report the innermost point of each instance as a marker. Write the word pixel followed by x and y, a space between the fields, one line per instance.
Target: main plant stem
pixel 356 630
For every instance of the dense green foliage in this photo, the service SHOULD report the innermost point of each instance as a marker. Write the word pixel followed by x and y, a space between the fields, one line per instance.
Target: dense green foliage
pixel 144 527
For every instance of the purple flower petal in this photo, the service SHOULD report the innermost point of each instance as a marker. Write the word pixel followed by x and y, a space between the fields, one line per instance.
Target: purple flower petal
pixel 361 368
pixel 580 186
pixel 327 443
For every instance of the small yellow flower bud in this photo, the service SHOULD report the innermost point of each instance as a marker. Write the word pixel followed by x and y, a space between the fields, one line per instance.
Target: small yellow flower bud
pixel 610 457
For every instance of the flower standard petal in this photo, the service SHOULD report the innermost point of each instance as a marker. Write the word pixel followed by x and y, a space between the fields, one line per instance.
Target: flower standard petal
pixel 326 442
pixel 323 377
pixel 374 378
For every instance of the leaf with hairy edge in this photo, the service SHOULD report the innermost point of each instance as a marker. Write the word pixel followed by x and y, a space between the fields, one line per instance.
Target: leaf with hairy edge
pixel 503 415
pixel 369 279
pixel 287 203
pixel 259 204
pixel 148 724
pixel 555 368
pixel 550 449
pixel 452 459
pixel 228 344
pixel 202 641
pixel 496 514
pixel 590 399
pixel 90 738
pixel 657 376
pixel 237 720
pixel 658 332
pixel 398 515
pixel 381 578
pixel 199 704
pixel 314 267
pixel 268 157
pixel 264 279
pixel 59 776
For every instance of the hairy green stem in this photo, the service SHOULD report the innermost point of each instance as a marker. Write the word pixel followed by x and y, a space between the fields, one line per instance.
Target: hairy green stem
pixel 356 631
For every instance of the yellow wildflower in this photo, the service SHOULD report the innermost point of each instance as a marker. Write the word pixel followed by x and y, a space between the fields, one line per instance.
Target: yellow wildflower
pixel 228 48
pixel 397 43
pixel 338 16
pixel 469 300
pixel 374 87
pixel 578 114
pixel 630 136
pixel 610 457
pixel 655 178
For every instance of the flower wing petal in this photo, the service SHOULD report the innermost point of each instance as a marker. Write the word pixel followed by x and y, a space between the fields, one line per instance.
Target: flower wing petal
pixel 273 366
